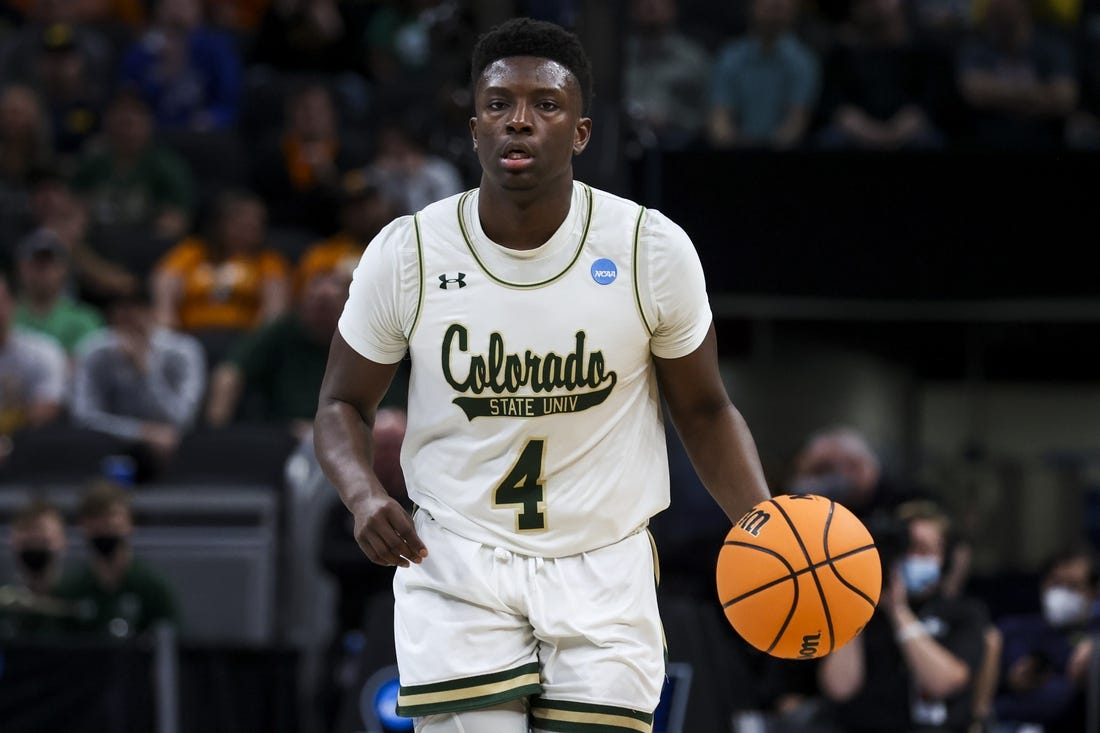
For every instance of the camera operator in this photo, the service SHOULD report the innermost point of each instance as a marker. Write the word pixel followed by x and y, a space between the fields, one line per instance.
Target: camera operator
pixel 915 665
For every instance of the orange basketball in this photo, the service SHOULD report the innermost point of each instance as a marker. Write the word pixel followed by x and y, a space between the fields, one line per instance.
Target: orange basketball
pixel 799 576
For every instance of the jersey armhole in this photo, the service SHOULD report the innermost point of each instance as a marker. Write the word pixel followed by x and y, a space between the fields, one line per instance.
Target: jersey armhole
pixel 636 257
pixel 419 278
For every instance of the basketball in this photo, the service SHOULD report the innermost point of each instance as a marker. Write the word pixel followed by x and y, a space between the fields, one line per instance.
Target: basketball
pixel 799 576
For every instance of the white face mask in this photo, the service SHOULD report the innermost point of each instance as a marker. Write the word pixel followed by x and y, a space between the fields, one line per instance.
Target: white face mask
pixel 1062 606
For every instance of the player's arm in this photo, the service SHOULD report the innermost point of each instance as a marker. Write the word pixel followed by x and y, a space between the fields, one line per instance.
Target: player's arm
pixel 350 393
pixel 712 429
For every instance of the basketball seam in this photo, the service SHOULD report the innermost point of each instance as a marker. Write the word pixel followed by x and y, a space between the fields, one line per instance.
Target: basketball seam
pixel 794 601
pixel 831 561
pixel 813 571
pixel 794 573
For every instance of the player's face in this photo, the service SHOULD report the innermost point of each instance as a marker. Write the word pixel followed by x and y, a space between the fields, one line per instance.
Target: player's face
pixel 528 123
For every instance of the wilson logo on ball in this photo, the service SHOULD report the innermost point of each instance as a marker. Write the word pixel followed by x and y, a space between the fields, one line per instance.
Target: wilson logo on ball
pixel 810 642
pixel 754 521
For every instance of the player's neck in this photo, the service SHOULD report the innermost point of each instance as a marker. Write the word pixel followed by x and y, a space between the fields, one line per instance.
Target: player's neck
pixel 523 219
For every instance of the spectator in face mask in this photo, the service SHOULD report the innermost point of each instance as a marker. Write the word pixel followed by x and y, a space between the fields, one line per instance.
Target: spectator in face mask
pixel 1046 655
pixel 37 542
pixel 840 464
pixel 113 593
pixel 914 666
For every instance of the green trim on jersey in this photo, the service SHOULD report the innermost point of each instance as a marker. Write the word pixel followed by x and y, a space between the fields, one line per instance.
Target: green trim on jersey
pixel 637 291
pixel 494 278
pixel 579 717
pixel 469 693
pixel 420 276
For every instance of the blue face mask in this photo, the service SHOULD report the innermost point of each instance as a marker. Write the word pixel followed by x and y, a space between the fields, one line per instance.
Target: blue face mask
pixel 920 573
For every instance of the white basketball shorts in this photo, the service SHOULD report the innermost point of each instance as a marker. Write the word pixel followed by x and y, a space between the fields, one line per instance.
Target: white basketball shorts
pixel 580 635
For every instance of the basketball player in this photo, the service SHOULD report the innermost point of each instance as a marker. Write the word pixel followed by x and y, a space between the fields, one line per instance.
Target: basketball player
pixel 541 316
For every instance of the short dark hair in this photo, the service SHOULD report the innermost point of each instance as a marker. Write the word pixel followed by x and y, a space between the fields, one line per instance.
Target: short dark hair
pixel 33 511
pixel 527 37
pixel 1076 550
pixel 101 498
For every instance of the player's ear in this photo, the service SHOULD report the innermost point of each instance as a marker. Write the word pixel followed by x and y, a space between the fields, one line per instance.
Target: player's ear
pixel 581 135
pixel 473 131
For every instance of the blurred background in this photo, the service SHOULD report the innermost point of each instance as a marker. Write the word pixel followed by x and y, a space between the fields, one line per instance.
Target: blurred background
pixel 890 199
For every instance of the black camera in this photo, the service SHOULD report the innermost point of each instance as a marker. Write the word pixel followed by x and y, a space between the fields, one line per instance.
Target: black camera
pixel 891 536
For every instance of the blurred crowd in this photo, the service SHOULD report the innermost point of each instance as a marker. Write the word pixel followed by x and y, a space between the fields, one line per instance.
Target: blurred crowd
pixel 186 186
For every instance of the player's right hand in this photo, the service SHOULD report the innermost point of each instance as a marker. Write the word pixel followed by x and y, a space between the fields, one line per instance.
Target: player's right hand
pixel 385 532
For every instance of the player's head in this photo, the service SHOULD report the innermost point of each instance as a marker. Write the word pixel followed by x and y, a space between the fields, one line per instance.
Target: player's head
pixel 532 82
pixel 527 37
pixel 1069 584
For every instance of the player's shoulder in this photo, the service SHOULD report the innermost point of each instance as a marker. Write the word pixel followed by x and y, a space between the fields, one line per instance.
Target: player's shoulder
pixel 605 203
pixel 443 210
pixel 652 221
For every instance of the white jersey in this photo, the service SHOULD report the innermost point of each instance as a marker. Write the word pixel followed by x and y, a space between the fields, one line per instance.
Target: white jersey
pixel 534 417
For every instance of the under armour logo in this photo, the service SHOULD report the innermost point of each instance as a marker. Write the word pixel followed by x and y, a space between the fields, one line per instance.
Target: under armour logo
pixel 445 282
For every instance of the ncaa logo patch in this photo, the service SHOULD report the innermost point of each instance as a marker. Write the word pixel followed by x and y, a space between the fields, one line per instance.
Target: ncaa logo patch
pixel 604 271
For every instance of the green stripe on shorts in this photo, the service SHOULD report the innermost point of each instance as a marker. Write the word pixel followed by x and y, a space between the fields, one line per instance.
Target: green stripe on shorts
pixel 469 693
pixel 579 717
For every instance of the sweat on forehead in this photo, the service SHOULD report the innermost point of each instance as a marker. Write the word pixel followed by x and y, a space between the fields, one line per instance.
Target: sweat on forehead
pixel 546 73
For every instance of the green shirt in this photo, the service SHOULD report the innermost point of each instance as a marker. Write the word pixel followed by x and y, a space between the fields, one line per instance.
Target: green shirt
pixel 160 179
pixel 283 366
pixel 67 322
pixel 141 600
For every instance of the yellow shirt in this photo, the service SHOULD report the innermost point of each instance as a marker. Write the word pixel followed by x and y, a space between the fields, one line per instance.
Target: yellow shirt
pixel 221 295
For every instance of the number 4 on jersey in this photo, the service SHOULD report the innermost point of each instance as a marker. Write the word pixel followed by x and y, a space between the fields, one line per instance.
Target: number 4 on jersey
pixel 523 486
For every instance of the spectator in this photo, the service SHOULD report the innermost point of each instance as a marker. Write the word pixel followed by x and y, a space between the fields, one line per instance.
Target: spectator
pixel 284 361
pixel 32 374
pixel 765 84
pixel 363 213
pixel 139 382
pixel 132 181
pixel 402 58
pixel 839 463
pixel 914 665
pixel 190 75
pixel 56 208
pixel 37 543
pixel 665 77
pixel 879 85
pixel 1044 666
pixel 44 305
pixel 407 173
pixel 21 52
pixel 25 144
pixel 317 36
pixel 117 594
pixel 299 173
pixel 227 281
pixel 1018 82
pixel 73 99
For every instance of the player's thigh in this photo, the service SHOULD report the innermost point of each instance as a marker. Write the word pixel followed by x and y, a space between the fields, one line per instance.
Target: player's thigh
pixel 459 646
pixel 601 641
